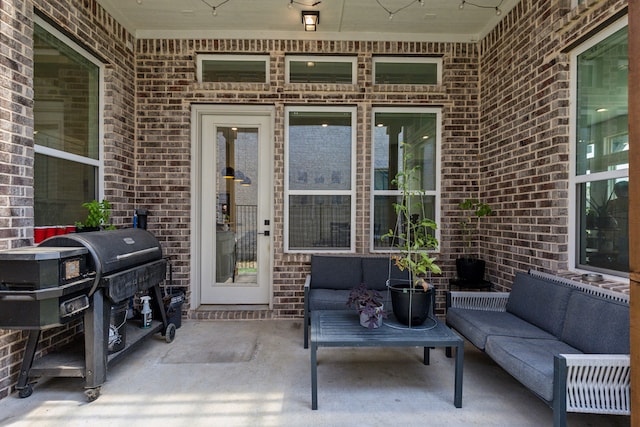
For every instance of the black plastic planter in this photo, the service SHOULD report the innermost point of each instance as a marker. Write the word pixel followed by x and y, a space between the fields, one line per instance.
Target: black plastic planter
pixel 411 307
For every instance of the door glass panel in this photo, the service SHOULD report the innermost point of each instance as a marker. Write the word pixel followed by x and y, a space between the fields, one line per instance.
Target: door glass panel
pixel 236 205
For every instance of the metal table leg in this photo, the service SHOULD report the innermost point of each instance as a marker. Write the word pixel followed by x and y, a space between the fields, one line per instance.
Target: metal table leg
pixel 457 399
pixel 314 376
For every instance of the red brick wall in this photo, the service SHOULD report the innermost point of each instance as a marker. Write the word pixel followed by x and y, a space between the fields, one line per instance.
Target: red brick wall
pixel 524 127
pixel 166 75
pixel 87 22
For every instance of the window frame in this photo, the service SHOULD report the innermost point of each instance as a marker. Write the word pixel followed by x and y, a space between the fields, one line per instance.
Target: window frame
pixel 408 60
pixel 320 58
pixel 576 180
pixel 200 58
pixel 351 192
pixel 60 154
pixel 436 192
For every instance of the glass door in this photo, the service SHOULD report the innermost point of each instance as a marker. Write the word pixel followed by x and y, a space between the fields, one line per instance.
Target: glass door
pixel 236 240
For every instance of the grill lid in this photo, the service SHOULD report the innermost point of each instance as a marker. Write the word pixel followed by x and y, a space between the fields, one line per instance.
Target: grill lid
pixel 113 250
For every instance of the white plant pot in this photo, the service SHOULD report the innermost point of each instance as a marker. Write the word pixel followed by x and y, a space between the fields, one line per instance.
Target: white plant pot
pixel 364 319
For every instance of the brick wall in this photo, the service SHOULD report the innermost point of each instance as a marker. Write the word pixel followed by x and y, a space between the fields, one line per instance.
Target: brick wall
pixel 166 73
pixel 524 126
pixel 86 22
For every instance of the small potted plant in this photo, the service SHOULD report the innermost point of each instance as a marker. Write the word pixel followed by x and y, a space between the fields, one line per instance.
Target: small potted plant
pixel 368 304
pixel 97 218
pixel 468 267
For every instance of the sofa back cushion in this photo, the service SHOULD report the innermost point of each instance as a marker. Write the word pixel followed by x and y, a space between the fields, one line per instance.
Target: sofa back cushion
pixel 596 325
pixel 540 302
pixel 376 271
pixel 335 272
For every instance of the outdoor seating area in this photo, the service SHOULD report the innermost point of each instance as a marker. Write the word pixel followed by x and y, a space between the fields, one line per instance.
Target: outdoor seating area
pixel 544 333
pixel 251 373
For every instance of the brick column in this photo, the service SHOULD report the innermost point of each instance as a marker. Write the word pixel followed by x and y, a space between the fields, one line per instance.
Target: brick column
pixel 16 127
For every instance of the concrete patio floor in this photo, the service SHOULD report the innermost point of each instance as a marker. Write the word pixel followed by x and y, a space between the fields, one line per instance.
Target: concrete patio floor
pixel 256 373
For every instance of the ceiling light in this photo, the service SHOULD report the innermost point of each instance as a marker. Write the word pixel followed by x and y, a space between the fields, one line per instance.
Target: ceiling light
pixel 310 19
pixel 228 172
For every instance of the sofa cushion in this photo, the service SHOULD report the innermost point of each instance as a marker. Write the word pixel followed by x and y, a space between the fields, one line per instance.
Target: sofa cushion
pixel 477 325
pixel 376 271
pixel 528 360
pixel 335 272
pixel 597 325
pixel 328 299
pixel 539 301
pixel 332 299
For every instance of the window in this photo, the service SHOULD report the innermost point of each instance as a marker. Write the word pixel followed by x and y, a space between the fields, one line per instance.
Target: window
pixel 233 68
pixel 320 176
pixel 67 132
pixel 415 132
pixel 601 152
pixel 403 70
pixel 320 69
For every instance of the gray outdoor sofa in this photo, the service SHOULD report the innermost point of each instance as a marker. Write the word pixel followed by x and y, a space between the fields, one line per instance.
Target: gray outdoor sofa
pixel 328 285
pixel 566 341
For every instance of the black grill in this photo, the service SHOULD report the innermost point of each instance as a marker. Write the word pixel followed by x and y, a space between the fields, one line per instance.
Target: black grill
pixel 80 274
pixel 125 261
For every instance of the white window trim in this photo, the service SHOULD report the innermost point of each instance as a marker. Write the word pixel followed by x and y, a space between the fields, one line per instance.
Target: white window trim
pixel 410 60
pixel 575 180
pixel 226 57
pixel 299 58
pixel 99 163
pixel 436 192
pixel 351 192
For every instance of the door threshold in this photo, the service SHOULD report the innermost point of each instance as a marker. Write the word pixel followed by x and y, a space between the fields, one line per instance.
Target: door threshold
pixel 233 307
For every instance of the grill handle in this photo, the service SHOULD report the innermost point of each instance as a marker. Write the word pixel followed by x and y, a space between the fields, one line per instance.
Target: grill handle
pixel 136 253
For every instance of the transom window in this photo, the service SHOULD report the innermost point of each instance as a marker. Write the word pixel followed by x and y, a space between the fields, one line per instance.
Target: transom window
pixel 601 147
pixel 67 114
pixel 320 176
pixel 415 134
pixel 233 68
pixel 321 69
pixel 407 70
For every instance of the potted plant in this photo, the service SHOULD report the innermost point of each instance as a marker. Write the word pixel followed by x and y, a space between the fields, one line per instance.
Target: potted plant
pixel 468 267
pixel 368 304
pixel 97 218
pixel 414 237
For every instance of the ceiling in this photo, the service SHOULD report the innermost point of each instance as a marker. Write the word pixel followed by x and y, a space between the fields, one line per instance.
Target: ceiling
pixel 435 20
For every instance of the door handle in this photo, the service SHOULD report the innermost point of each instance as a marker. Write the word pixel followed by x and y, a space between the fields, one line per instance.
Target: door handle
pixel 265 233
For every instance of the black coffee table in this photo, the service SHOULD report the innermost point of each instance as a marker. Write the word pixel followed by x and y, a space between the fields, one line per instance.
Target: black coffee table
pixel 341 328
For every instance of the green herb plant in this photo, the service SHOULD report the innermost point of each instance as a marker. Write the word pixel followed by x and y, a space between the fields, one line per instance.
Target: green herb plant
pixel 98 216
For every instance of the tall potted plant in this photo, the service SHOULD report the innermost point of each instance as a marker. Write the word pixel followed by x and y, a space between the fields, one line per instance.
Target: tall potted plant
pixel 470 267
pixel 414 237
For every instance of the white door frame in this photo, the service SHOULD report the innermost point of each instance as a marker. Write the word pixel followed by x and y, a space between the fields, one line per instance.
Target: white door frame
pixel 197 114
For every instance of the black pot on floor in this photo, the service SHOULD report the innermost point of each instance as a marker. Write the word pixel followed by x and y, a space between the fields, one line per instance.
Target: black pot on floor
pixel 411 307
pixel 471 269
